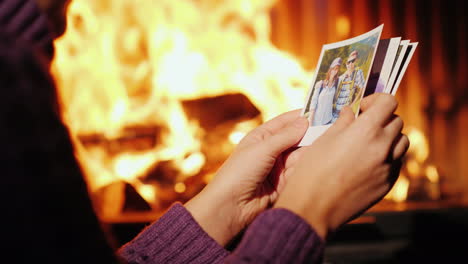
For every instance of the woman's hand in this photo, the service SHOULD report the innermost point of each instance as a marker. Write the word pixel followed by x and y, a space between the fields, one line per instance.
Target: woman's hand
pixel 349 168
pixel 250 179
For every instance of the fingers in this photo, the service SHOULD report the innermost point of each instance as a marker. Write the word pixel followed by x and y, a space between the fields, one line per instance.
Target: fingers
pixel 394 172
pixel 378 108
pixel 400 147
pixel 346 117
pixel 275 124
pixel 293 156
pixel 394 127
pixel 271 127
pixel 286 137
pixel 372 99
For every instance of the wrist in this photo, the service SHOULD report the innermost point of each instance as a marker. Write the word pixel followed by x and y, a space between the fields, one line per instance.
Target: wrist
pixel 315 216
pixel 215 214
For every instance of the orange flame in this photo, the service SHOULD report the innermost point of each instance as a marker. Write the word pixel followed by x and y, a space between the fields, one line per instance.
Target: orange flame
pixel 399 192
pixel 417 169
pixel 124 63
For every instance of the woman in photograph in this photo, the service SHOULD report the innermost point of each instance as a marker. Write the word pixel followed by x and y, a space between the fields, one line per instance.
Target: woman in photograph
pixel 322 101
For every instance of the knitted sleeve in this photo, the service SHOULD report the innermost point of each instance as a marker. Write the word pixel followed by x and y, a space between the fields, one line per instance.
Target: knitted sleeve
pixel 279 236
pixel 23 19
pixel 276 236
pixel 175 238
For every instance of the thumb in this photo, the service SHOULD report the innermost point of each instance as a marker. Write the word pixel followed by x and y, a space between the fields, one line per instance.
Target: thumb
pixel 286 137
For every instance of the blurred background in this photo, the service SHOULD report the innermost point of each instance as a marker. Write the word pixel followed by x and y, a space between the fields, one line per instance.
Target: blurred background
pixel 433 93
pixel 158 93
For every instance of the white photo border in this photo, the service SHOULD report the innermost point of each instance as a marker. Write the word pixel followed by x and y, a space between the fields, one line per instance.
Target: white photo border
pixel 313 132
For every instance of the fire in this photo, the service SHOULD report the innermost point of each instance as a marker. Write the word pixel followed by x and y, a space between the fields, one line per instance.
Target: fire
pixel 127 166
pixel 419 146
pixel 432 174
pixel 416 170
pixel 125 67
pixel 399 193
pixel 343 26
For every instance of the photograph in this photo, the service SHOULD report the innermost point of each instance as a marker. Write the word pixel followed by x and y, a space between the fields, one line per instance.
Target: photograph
pixel 396 65
pixel 382 66
pixel 404 64
pixel 339 80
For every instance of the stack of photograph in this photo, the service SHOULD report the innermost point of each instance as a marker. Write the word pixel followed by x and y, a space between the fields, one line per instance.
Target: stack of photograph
pixel 349 70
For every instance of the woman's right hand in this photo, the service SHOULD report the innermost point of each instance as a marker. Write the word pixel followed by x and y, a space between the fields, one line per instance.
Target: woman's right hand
pixel 349 168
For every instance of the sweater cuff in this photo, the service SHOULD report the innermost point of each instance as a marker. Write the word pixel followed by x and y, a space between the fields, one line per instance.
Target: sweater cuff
pixel 279 236
pixel 175 238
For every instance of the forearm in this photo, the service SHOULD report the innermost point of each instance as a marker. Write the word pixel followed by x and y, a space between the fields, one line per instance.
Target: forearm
pixel 294 200
pixel 279 236
pixel 176 237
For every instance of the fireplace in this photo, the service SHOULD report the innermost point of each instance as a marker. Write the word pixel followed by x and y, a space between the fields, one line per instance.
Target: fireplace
pixel 158 93
pixel 163 91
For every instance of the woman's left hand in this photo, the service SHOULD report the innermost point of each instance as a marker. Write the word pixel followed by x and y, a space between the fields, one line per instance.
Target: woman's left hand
pixel 250 179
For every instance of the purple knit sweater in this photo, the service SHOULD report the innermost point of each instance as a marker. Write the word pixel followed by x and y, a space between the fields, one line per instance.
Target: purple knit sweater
pixel 276 236
pixel 23 19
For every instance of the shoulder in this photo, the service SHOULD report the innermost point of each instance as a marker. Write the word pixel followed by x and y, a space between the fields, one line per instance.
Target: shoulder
pixel 25 77
pixel 24 20
pixel 19 60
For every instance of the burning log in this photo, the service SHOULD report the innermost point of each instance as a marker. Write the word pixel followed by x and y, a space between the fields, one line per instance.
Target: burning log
pixel 109 200
pixel 119 197
pixel 212 112
pixel 131 139
pixel 133 200
pixel 164 173
pixel 219 116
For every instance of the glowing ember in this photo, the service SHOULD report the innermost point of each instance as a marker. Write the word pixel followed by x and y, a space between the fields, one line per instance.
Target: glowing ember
pixel 124 66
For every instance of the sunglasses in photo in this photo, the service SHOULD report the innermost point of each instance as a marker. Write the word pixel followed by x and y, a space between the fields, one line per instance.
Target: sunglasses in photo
pixel 351 61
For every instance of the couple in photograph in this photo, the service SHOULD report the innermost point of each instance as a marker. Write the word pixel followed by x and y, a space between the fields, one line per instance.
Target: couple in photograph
pixel 334 92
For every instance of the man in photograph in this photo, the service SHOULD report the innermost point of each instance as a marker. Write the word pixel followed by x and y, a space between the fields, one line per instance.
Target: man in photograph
pixel 350 85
